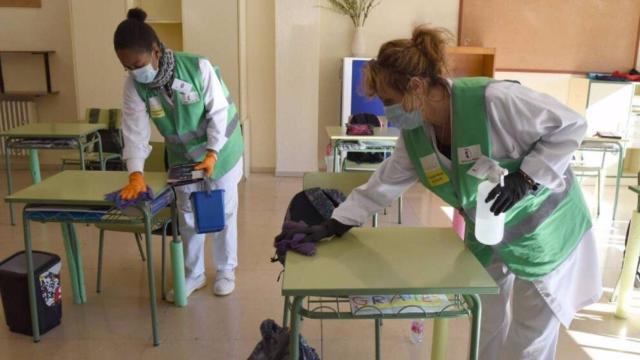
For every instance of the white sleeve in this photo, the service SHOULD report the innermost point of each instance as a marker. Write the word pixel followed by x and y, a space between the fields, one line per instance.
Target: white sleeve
pixel 392 178
pixel 136 128
pixel 216 107
pixel 536 126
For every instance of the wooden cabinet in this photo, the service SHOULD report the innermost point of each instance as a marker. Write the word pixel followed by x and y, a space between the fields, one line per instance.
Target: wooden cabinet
pixel 471 61
pixel 165 17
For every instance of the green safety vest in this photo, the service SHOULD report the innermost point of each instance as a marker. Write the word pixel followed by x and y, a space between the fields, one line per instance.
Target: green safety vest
pixel 541 230
pixel 184 125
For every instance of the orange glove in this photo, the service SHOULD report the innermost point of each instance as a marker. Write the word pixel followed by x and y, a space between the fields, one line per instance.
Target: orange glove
pixel 134 188
pixel 208 163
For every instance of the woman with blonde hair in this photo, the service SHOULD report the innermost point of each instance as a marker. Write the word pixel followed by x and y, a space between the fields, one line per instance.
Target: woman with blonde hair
pixel 546 264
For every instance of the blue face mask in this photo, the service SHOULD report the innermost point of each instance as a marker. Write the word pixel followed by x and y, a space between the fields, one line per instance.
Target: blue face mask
pixel 402 119
pixel 145 74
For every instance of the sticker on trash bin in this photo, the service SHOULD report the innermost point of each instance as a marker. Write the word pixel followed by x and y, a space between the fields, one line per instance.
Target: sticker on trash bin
pixel 50 286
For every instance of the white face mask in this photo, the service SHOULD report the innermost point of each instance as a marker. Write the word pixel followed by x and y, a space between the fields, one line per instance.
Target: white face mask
pixel 145 74
pixel 402 119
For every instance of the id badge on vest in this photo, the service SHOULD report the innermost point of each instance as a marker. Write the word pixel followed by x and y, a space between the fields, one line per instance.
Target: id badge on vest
pixel 433 170
pixel 155 108
pixel 189 98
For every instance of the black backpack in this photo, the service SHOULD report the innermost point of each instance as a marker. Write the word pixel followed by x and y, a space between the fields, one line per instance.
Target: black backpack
pixel 365 157
pixel 313 207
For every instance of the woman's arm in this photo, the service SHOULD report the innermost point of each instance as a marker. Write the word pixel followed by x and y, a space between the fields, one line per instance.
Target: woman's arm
pixel 536 126
pixel 136 129
pixel 392 178
pixel 216 106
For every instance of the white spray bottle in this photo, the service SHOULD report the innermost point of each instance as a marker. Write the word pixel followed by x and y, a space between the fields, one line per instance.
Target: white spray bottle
pixel 489 228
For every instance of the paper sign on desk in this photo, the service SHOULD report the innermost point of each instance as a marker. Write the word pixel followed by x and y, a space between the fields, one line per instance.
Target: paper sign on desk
pixel 393 304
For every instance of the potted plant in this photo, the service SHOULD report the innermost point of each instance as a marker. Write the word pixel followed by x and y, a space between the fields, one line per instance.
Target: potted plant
pixel 358 11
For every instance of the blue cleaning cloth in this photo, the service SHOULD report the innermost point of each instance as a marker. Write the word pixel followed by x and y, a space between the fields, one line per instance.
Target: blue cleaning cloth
pixel 146 195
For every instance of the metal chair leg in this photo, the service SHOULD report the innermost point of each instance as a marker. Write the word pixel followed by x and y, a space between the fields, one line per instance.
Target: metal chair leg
pixel 139 242
pixel 100 253
pixel 400 210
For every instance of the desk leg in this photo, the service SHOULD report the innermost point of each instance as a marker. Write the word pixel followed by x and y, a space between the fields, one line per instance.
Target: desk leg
pixel 103 164
pixel 81 150
pixel 285 311
pixel 7 169
pixel 618 176
pixel 335 156
pixel 73 258
pixel 150 278
pixel 378 323
pixel 629 266
pixel 177 262
pixel 439 339
pixel 34 166
pixel 476 320
pixel 35 327
pixel 294 336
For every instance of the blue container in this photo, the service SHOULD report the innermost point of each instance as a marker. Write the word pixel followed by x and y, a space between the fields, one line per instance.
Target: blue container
pixel 208 210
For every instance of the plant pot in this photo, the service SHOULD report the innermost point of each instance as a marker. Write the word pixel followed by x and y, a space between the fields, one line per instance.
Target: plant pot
pixel 358 46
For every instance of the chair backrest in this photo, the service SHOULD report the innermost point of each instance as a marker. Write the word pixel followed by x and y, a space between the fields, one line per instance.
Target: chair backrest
pixel 111 117
pixel 155 161
pixel 343 181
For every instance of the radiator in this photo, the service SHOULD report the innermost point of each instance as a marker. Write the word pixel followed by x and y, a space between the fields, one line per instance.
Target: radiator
pixel 15 113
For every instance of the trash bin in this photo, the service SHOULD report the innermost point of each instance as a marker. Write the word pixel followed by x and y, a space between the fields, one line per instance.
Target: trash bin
pixel 15 291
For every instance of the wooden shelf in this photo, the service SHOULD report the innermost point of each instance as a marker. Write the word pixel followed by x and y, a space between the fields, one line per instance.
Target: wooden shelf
pixel 164 22
pixel 25 94
pixel 34 52
pixel 471 61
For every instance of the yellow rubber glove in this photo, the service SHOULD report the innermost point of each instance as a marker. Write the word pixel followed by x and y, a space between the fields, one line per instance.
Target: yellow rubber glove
pixel 208 163
pixel 134 188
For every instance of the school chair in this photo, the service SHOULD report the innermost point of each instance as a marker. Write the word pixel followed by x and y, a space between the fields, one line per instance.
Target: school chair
pixel 161 222
pixel 110 138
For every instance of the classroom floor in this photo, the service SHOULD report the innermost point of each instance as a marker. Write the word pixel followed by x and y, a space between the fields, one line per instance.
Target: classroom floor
pixel 115 324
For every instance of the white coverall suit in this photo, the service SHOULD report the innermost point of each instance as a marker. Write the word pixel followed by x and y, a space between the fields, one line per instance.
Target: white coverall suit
pixel 522 322
pixel 136 129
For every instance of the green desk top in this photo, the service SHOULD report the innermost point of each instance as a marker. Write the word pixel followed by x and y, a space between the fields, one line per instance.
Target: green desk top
pixel 343 181
pixel 340 133
pixel 76 187
pixel 53 130
pixel 388 261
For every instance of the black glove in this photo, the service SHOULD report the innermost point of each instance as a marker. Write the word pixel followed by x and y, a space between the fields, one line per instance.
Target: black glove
pixel 516 186
pixel 318 232
pixel 327 229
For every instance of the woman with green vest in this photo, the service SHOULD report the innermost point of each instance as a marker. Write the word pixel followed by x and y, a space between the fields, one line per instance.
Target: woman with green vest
pixel 186 99
pixel 546 264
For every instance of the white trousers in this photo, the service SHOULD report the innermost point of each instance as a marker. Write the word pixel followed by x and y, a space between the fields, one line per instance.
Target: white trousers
pixel 225 243
pixel 517 324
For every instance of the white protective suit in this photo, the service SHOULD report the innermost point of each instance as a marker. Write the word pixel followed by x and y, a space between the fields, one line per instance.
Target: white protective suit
pixel 522 322
pixel 136 129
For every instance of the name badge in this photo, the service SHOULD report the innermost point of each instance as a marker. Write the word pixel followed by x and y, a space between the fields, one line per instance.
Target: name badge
pixel 433 171
pixel 155 108
pixel 190 98
pixel 181 86
pixel 469 154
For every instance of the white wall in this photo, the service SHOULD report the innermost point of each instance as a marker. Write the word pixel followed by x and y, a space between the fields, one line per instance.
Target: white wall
pixel 210 29
pixel 297 74
pixel 99 74
pixel 45 28
pixel 260 40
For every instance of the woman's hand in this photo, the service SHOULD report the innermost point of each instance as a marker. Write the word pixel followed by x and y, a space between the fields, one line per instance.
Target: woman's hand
pixel 134 188
pixel 208 164
pixel 516 186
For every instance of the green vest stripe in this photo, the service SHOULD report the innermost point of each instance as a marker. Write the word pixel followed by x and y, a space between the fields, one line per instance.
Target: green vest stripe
pixel 541 230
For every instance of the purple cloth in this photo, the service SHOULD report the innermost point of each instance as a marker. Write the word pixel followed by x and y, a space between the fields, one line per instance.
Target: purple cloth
pixel 294 239
pixel 146 195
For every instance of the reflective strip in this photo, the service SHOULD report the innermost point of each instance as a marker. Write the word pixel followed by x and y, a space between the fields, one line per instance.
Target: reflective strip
pixel 197 153
pixel 533 221
pixel 232 125
pixel 189 135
